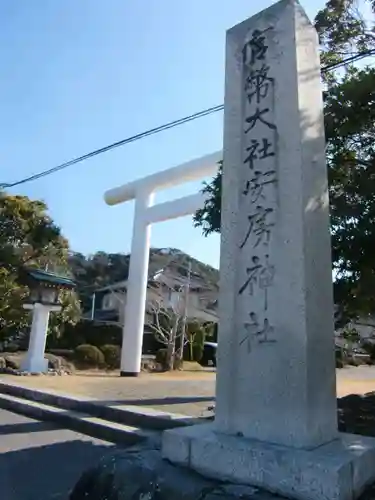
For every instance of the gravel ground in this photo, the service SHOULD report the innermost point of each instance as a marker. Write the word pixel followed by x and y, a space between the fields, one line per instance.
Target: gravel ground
pixel 185 393
pixel 188 393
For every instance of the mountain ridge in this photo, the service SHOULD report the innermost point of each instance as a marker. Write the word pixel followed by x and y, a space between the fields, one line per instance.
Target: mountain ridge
pixel 102 269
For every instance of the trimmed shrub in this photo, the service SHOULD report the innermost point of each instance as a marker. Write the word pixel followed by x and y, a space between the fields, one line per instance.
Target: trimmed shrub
pixel 353 361
pixel 66 353
pixel 370 349
pixel 88 356
pixel 342 358
pixel 161 357
pixel 339 363
pixel 198 345
pixel 86 332
pixel 12 347
pixel 112 356
pixel 194 348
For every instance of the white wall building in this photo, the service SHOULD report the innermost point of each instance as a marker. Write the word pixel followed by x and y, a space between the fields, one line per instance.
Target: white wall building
pixel 168 290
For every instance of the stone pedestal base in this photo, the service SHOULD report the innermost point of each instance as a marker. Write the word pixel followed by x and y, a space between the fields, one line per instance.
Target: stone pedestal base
pixel 339 470
pixel 140 473
pixel 34 364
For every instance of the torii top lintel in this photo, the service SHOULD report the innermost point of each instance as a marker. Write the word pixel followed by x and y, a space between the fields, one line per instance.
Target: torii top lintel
pixel 192 170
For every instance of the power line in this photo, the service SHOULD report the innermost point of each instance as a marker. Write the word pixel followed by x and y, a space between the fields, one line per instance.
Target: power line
pixel 128 140
pixel 348 60
pixel 161 128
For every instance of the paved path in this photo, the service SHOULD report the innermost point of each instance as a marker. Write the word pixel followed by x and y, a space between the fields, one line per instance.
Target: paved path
pixel 188 393
pixel 39 461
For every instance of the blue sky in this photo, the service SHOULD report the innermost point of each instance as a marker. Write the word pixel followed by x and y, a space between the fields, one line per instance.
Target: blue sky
pixel 78 75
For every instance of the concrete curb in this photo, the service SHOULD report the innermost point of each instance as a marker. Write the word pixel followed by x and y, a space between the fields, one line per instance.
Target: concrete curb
pixel 144 418
pixel 91 426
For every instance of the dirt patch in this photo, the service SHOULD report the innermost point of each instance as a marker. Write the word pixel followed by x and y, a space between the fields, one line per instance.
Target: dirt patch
pixel 189 393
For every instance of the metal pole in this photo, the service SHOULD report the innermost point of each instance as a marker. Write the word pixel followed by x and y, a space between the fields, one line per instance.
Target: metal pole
pixel 93 306
pixel 184 319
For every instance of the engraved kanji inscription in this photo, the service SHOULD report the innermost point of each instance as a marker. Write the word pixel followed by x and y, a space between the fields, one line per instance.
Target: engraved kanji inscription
pixel 258 84
pixel 255 49
pixel 258 200
pixel 260 226
pixel 258 116
pixel 259 331
pixel 258 150
pixel 266 279
pixel 251 329
pixel 255 186
pixel 253 275
pixel 261 275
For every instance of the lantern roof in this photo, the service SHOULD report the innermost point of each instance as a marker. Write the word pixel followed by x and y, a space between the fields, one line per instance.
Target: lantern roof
pixel 34 277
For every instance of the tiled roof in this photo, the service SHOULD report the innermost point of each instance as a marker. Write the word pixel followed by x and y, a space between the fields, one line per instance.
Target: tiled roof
pixel 165 276
pixel 50 278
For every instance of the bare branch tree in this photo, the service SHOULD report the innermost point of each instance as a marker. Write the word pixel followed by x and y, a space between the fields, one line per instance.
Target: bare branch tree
pixel 167 316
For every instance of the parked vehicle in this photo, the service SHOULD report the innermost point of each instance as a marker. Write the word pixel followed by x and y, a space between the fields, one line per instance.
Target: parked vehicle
pixel 209 354
pixel 360 353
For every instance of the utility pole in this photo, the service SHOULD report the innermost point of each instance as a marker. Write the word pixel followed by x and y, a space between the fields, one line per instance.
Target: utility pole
pixel 184 318
pixel 93 306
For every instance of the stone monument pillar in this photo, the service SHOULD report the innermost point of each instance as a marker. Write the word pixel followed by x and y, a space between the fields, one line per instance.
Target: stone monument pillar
pixel 276 423
pixel 277 372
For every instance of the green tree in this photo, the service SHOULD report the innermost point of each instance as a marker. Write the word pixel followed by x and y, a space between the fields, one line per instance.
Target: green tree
pixel 29 237
pixel 96 271
pixel 12 316
pixel 69 315
pixel 349 108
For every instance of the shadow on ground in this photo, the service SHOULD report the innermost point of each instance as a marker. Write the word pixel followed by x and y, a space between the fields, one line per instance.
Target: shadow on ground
pixel 46 472
pixel 25 428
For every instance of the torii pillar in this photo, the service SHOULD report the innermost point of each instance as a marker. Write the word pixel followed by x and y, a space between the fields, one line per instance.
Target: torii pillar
pixel 145 214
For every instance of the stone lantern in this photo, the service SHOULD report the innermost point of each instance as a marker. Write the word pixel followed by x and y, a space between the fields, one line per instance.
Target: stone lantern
pixel 45 288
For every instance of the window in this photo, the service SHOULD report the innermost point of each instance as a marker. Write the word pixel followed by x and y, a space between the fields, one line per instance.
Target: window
pixel 107 302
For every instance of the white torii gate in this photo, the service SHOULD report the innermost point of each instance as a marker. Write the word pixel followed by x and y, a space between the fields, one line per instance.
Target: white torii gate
pixel 145 214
